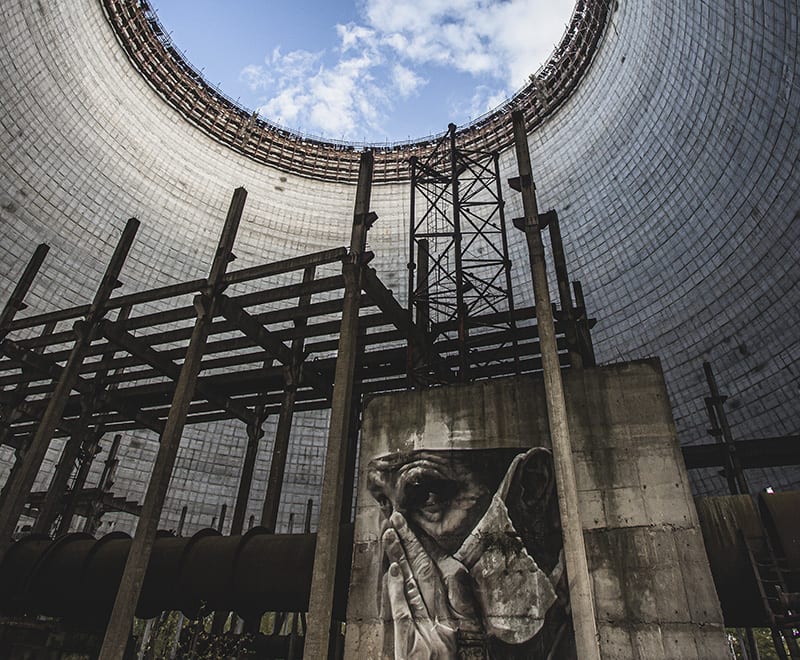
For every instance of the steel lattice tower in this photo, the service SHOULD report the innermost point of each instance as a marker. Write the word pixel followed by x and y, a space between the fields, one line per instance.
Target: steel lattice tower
pixel 459 270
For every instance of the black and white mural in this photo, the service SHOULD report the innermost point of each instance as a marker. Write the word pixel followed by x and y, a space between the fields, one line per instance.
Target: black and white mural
pixel 470 554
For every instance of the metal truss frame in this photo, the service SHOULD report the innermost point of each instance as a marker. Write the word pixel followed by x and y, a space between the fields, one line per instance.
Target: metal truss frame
pixel 459 270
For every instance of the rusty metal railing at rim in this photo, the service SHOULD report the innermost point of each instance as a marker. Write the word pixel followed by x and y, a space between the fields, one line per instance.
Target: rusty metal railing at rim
pixel 156 57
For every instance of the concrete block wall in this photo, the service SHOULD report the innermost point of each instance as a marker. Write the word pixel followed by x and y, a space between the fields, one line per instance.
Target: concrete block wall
pixel 653 591
pixel 673 167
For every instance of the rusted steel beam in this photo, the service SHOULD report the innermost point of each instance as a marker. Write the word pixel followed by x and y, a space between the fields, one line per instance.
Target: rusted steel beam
pixel 460 279
pixel 57 316
pixel 567 315
pixel 119 626
pixel 257 333
pixel 275 294
pixel 25 476
pixel 199 413
pixel 236 344
pixel 296 263
pixel 95 508
pixel 16 301
pixel 13 407
pixel 583 326
pixel 33 413
pixel 326 308
pixel 242 383
pixel 84 498
pixel 504 236
pixel 56 491
pixel 90 445
pixel 184 313
pixel 160 293
pixel 520 314
pixel 392 310
pixel 79 449
pixel 15 410
pixel 737 482
pixel 116 333
pixel 183 288
pixel 44 364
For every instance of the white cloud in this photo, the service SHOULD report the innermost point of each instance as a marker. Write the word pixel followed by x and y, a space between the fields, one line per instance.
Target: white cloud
pixel 352 35
pixel 505 40
pixel 348 90
pixel 405 81
pixel 308 94
pixel 483 99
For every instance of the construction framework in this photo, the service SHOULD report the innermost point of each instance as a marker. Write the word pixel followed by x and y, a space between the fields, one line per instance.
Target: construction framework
pixel 459 279
pixel 237 345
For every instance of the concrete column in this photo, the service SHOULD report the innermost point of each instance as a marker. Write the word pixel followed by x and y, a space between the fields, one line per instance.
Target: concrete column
pixel 280 450
pixel 564 296
pixel 16 301
pixel 277 467
pixel 11 412
pixel 254 434
pixel 119 626
pixel 580 589
pixel 32 461
pixel 324 575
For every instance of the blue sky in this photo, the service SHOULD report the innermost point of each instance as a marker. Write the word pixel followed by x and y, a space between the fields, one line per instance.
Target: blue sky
pixel 371 70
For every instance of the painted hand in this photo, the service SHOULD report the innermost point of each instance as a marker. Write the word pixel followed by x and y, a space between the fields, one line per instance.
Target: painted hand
pixel 429 600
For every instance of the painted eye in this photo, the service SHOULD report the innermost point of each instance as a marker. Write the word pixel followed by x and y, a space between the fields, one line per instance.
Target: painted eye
pixel 385 504
pixel 427 496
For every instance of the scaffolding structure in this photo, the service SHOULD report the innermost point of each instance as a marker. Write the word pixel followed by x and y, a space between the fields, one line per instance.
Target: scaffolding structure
pixel 459 270
pixel 316 331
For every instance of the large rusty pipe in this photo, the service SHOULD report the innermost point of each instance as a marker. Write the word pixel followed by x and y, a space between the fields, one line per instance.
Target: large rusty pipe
pixel 76 576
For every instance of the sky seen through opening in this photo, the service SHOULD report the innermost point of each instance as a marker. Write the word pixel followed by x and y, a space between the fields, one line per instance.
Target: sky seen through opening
pixel 370 71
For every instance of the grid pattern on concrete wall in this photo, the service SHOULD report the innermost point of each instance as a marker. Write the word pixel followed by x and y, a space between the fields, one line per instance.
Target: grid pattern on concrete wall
pixel 672 166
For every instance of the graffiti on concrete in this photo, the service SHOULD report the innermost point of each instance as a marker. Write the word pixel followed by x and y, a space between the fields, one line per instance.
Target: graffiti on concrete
pixel 472 561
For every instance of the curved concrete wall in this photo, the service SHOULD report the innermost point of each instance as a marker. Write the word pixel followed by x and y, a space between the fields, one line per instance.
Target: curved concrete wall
pixel 673 168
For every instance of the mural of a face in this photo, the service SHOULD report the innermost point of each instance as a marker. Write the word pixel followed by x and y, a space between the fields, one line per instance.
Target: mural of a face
pixel 439 493
pixel 472 554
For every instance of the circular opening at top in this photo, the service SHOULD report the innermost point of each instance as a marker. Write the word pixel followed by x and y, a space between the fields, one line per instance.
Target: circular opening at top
pixel 369 71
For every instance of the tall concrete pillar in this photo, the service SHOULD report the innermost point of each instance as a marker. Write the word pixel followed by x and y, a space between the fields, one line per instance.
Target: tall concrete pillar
pixel 119 625
pixel 324 575
pixel 580 589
